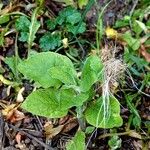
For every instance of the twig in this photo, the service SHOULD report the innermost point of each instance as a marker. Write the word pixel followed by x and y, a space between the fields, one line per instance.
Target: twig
pixel 1 130
pixel 32 137
pixel 112 134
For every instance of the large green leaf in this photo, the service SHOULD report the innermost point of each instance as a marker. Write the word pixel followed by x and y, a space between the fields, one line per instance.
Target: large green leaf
pixel 78 142
pixel 96 114
pixel 53 103
pixel 91 73
pixel 37 67
pixel 64 74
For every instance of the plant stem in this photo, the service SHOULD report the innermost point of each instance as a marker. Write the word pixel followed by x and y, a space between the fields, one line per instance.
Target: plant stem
pixel 112 134
pixel 16 57
pixel 99 28
pixel 80 117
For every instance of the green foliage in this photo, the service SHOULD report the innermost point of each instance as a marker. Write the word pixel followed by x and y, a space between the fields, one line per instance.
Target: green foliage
pixel 54 70
pixel 53 103
pixel 64 74
pixel 34 26
pixel 50 41
pixel 91 72
pixel 37 68
pixel 76 29
pixel 22 25
pixel 115 142
pixel 69 18
pixel 11 62
pixel 51 24
pixel 136 117
pixel 78 142
pixel 82 3
pixel 132 42
pixel 122 22
pixel 4 19
pixel 95 114
pixel 135 63
pixel 28 29
pixel 68 15
pixel 68 22
pixel 89 129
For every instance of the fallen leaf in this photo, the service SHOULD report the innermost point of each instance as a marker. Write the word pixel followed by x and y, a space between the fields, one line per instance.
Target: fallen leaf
pixel 17 116
pixel 138 144
pixel 144 53
pixel 18 138
pixel 8 110
pixel 69 125
pixel 135 134
pixel 63 120
pixel 19 96
pixel 12 114
pixel 51 131
pixel 21 146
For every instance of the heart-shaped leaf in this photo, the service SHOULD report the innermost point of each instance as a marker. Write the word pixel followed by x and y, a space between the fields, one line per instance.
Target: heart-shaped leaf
pixel 96 114
pixel 37 67
pixel 53 103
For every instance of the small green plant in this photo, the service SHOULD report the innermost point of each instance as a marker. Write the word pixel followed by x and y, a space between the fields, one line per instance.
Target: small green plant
pixel 67 24
pixel 61 88
pixel 28 29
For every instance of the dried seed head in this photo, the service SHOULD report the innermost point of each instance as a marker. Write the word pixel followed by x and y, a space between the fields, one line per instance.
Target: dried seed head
pixel 113 68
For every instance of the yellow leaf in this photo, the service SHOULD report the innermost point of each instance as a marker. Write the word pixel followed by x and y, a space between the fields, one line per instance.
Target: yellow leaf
pixel 111 33
pixel 65 42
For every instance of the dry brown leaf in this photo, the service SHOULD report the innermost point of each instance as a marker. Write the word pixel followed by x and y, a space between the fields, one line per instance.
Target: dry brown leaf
pixel 12 114
pixel 63 120
pixel 18 138
pixel 8 110
pixel 138 144
pixel 144 53
pixel 21 146
pixel 70 124
pixel 17 116
pixel 135 134
pixel 50 131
